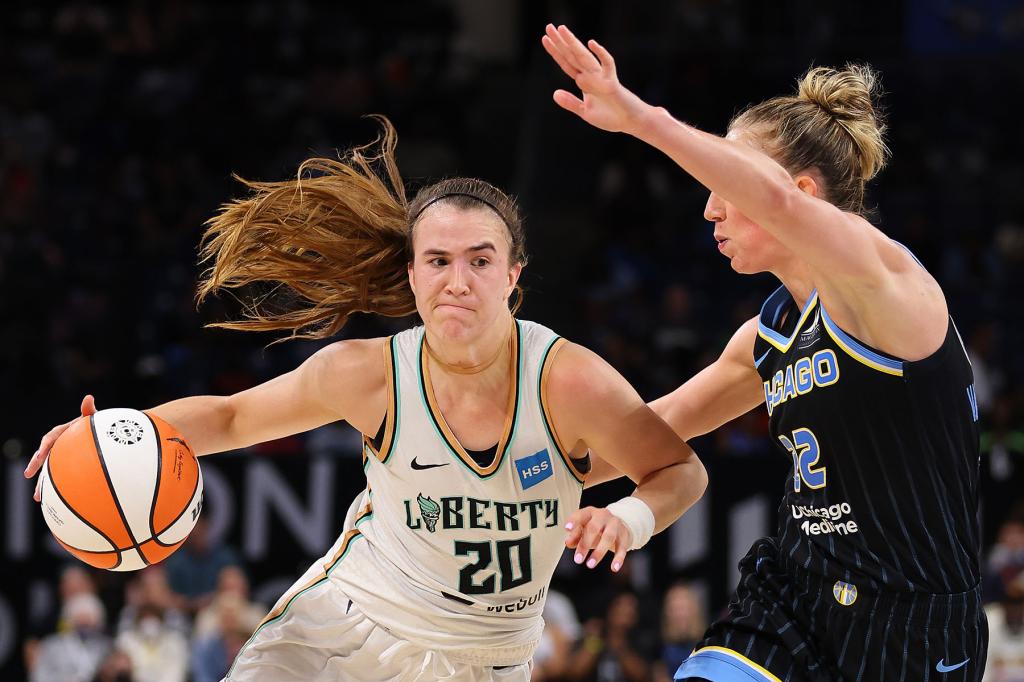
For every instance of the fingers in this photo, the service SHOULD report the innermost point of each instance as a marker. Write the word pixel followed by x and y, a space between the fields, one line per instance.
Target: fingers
pixel 580 55
pixel 605 57
pixel 620 557
pixel 602 533
pixel 39 456
pixel 556 54
pixel 575 524
pixel 36 495
pixel 568 101
pixel 569 52
pixel 589 539
pixel 561 47
pixel 606 542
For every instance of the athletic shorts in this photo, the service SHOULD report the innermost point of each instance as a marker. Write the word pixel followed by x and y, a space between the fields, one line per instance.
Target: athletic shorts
pixel 321 634
pixel 785 623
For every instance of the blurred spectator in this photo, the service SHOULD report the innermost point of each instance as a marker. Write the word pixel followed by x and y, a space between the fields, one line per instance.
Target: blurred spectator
pixel 212 654
pixel 233 587
pixel 116 667
pixel 75 654
pixel 983 353
pixel 150 587
pixel 193 570
pixel 158 653
pixel 1006 634
pixel 682 626
pixel 1002 456
pixel 75 579
pixel 1006 560
pixel 561 631
pixel 613 649
pixel 677 337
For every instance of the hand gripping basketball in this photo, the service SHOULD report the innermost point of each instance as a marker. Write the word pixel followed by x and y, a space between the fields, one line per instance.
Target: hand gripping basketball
pixel 119 489
pixel 39 456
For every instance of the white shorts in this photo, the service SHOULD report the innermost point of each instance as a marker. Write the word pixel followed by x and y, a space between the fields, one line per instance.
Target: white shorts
pixel 323 635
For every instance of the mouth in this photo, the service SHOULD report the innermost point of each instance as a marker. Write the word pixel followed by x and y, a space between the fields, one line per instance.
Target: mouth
pixel 722 241
pixel 453 306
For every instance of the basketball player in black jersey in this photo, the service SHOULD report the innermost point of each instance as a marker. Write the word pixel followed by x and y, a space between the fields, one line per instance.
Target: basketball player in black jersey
pixel 873 573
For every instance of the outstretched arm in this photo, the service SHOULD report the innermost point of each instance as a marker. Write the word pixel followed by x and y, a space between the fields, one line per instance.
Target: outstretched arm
pixel 740 174
pixel 872 287
pixel 343 381
pixel 593 405
pixel 727 388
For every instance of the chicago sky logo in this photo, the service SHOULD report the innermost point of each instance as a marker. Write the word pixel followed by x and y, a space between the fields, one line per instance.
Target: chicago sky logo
pixel 845 593
pixel 533 469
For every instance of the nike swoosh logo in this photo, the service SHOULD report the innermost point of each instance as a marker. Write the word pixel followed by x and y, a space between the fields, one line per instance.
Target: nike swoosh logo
pixel 943 668
pixel 420 467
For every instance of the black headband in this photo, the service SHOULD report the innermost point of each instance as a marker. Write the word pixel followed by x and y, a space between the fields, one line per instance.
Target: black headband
pixel 413 219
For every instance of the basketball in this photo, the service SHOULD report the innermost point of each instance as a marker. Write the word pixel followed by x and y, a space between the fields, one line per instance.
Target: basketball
pixel 121 489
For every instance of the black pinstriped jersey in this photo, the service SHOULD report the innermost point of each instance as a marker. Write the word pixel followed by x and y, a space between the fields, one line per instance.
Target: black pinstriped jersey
pixel 884 486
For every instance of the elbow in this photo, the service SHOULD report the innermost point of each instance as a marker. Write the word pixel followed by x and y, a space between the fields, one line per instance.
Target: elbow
pixel 695 480
pixel 700 476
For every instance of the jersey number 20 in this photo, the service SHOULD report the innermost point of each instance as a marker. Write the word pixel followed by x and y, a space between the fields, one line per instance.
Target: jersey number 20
pixel 512 573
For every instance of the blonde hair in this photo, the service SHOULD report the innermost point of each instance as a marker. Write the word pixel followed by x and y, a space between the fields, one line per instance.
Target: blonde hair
pixel 333 241
pixel 832 124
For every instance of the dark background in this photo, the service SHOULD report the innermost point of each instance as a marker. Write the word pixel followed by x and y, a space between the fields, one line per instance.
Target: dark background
pixel 120 127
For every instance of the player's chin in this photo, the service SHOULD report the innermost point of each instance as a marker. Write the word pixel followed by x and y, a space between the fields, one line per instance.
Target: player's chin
pixel 455 327
pixel 743 266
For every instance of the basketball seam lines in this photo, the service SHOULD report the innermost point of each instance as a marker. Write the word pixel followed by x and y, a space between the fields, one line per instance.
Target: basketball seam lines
pixel 53 484
pixel 113 493
pixel 195 487
pixel 156 490
pixel 156 485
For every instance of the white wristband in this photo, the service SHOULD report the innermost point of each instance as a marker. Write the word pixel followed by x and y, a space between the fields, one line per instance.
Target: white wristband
pixel 637 517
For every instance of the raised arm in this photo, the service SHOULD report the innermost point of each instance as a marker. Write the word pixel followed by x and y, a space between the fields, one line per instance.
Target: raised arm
pixel 727 388
pixel 342 381
pixel 872 287
pixel 592 405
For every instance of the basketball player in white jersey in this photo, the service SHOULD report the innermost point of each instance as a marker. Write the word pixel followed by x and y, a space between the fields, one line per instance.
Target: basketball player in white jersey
pixel 476 428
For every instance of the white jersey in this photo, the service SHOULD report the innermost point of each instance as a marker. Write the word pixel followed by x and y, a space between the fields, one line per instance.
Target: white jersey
pixel 441 550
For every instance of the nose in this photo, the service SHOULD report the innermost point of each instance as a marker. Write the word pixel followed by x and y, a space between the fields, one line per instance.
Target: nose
pixel 714 210
pixel 457 284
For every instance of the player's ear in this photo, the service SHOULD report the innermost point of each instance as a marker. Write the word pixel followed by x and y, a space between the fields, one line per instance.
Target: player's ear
pixel 513 278
pixel 806 182
pixel 412 277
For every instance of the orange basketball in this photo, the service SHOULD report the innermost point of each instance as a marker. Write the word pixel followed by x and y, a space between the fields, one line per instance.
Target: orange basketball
pixel 121 489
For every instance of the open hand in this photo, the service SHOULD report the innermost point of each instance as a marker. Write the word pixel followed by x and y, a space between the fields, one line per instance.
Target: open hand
pixel 596 531
pixel 606 104
pixel 39 457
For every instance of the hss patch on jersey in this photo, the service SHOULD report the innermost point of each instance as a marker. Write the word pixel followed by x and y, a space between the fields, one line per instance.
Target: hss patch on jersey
pixel 533 469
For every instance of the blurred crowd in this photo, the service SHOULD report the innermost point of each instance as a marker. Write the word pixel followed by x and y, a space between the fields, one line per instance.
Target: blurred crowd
pixel 187 618
pixel 121 125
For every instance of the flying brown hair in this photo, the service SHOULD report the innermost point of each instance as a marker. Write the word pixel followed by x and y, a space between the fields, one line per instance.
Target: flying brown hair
pixel 333 241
